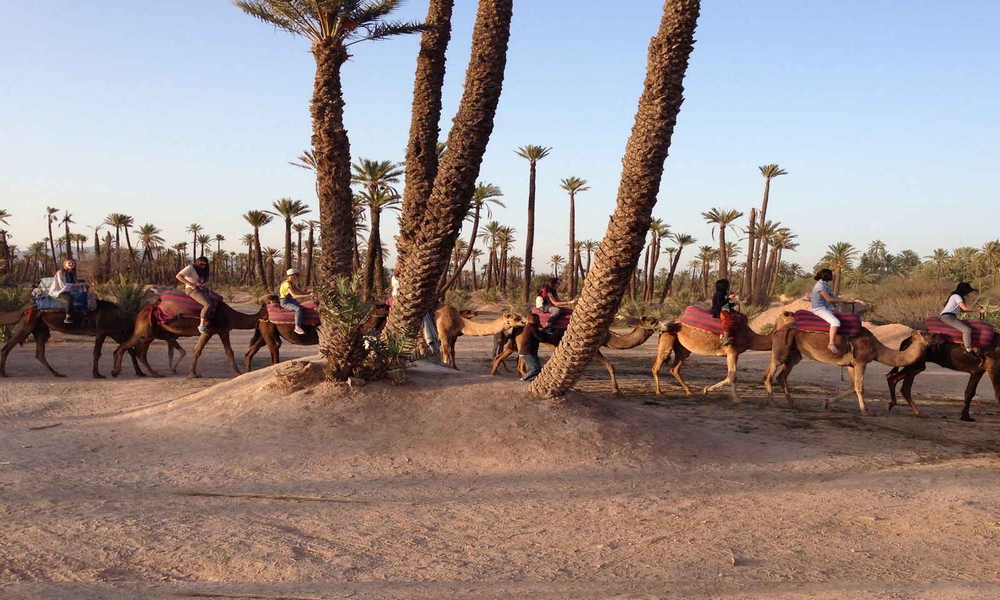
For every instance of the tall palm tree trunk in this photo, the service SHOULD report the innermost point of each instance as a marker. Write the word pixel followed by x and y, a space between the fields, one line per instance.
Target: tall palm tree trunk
pixel 748 270
pixel 571 267
pixel 460 266
pixel 723 254
pixel 642 171
pixel 529 235
pixel 368 284
pixel 298 251
pixel 312 246
pixel 456 178
pixel 52 246
pixel 260 256
pixel 670 275
pixel 761 245
pixel 287 263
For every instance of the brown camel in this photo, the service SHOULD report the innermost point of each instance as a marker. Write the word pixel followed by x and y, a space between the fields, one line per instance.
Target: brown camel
pixel 858 352
pixel 683 341
pixel 641 332
pixel 108 320
pixel 950 356
pixel 451 325
pixel 147 329
pixel 271 334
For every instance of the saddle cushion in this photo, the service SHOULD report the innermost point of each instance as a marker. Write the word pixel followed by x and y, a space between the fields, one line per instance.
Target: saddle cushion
pixel 982 332
pixel 700 317
pixel 176 303
pixel 850 323
pixel 83 301
pixel 561 323
pixel 281 316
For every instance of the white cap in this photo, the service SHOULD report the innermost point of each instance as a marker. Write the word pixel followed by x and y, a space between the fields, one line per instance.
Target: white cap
pixel 291 272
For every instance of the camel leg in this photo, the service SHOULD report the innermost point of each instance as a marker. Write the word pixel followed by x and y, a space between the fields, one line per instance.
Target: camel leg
pixel 255 346
pixel 828 404
pixel 772 367
pixel 664 346
pixel 908 375
pixel 451 356
pixel 794 358
pixel 224 338
pixel 732 358
pixel 859 387
pixel 970 393
pixel 499 360
pixel 174 345
pixel 41 338
pixel 199 347
pixel 98 345
pixel 680 355
pixel 611 371
pixel 17 336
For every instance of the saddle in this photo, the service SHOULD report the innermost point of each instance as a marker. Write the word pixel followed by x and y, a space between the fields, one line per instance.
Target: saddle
pixel 982 332
pixel 561 323
pixel 174 303
pixel 280 316
pixel 699 317
pixel 850 323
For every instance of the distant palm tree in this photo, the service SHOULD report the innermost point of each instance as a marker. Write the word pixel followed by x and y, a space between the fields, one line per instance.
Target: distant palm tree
pixel 723 219
pixel 149 239
pixel 532 154
pixel 204 240
pixel 247 240
pixel 682 239
pixel 556 261
pixel 475 255
pixel 4 215
pixel 755 262
pixel 270 256
pixel 288 209
pixel 376 178
pixel 991 257
pixel 299 228
pixel 838 257
pixel 258 219
pixel 194 229
pixel 573 186
pixel 311 245
pixel 659 230
pixel 66 221
pixel 490 237
pixel 505 243
pixel 50 218
pixel 485 194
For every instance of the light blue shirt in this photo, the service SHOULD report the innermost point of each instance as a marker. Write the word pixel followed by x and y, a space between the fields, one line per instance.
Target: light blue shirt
pixel 817 299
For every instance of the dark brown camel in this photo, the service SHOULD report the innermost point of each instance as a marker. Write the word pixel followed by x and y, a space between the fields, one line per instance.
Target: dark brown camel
pixel 641 332
pixel 950 356
pixel 147 329
pixel 271 334
pixel 108 320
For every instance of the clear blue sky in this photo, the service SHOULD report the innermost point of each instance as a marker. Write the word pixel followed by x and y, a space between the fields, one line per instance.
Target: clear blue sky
pixel 884 114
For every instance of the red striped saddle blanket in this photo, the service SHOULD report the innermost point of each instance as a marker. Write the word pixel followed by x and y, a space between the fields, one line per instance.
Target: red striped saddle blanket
pixel 561 323
pixel 700 317
pixel 982 332
pixel 281 316
pixel 175 303
pixel 850 323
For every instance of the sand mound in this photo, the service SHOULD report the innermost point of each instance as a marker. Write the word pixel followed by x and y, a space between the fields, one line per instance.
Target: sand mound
pixel 440 419
pixel 890 335
pixel 769 316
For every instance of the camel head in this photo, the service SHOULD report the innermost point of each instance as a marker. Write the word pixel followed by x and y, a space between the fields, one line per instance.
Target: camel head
pixel 469 314
pixel 269 299
pixel 513 320
pixel 785 318
pixel 649 324
pixel 926 338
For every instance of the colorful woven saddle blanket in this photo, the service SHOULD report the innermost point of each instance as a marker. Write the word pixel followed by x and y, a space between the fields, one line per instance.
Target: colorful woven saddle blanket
pixel 561 323
pixel 175 303
pixel 982 332
pixel 850 323
pixel 281 316
pixel 700 317
pixel 83 301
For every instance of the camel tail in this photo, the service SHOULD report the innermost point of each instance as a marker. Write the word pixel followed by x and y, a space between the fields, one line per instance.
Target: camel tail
pixel 673 327
pixel 256 335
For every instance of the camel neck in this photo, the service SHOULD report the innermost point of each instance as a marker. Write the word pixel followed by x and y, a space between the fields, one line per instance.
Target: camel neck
pixel 474 328
pixel 632 339
pixel 758 342
pixel 239 320
pixel 897 358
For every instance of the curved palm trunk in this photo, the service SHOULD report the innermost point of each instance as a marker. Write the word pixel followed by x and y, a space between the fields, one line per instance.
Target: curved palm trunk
pixel 309 265
pixel 641 174
pixel 760 245
pixel 670 275
pixel 69 242
pixel 260 256
pixel 748 271
pixel 723 255
pixel 456 178
pixel 571 267
pixel 461 265
pixel 529 235
pixel 298 252
pixel 52 246
pixel 368 285
pixel 287 263
pixel 421 150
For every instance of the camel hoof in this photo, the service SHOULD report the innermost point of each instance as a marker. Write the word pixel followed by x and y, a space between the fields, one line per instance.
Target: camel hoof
pixel 737 401
pixel 99 376
pixel 968 419
pixel 115 375
pixel 194 376
pixel 704 392
pixel 140 374
pixel 59 375
pixel 865 413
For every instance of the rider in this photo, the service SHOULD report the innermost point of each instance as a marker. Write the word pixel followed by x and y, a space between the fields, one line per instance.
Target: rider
pixel 949 316
pixel 64 285
pixel 195 279
pixel 288 295
pixel 823 300
pixel 723 306
pixel 548 301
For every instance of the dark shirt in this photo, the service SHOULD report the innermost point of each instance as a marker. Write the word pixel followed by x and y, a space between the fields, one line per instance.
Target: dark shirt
pixel 69 276
pixel 528 340
pixel 720 301
pixel 548 294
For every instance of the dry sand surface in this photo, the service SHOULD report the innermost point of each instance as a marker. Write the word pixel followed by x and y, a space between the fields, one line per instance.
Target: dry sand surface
pixel 456 485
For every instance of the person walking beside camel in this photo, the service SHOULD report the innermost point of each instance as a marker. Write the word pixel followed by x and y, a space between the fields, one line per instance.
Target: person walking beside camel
pixel 288 297
pixel 527 348
pixel 195 279
pixel 949 316
pixel 823 305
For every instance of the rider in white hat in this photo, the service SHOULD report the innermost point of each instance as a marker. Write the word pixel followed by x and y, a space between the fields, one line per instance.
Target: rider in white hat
pixel 288 295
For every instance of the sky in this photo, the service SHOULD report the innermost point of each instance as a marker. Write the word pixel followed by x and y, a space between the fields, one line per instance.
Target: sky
pixel 883 113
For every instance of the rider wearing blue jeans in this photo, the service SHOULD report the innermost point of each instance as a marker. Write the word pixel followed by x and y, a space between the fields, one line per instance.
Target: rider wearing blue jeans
pixel 288 295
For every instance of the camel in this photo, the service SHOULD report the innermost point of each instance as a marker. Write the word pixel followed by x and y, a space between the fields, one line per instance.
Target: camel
pixel 860 350
pixel 271 334
pixel 641 332
pixel 683 341
pixel 950 356
pixel 108 320
pixel 147 329
pixel 451 325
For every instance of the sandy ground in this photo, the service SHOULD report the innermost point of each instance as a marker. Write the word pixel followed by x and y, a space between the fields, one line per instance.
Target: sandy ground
pixel 455 485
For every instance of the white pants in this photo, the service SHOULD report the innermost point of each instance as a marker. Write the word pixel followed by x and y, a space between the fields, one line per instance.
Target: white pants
pixel 827 315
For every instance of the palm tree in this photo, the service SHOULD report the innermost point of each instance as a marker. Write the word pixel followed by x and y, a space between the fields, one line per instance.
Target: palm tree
pixel 573 186
pixel 258 219
pixel 307 161
pixel 66 221
pixel 589 246
pixel 505 243
pixel 288 209
pixel 781 240
pixel 838 257
pixel 270 255
pixel 769 172
pixel 50 218
pixel 311 246
pixel 149 239
pixel 491 236
pixel 80 240
pixel 991 256
pixel 723 219
pixel 194 229
pixel 940 257
pixel 4 215
pixel 97 247
pixel 556 261
pixel 642 171
pixel 299 228
pixel 475 254
pixel 659 230
pixel 247 240
pixel 377 199
pixel 332 26
pixel 204 240
pixel 430 234
pixel 484 195
pixel 532 154
pixel 706 254
pixel 682 240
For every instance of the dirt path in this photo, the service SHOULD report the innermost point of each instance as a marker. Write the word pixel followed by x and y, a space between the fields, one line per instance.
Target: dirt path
pixel 455 486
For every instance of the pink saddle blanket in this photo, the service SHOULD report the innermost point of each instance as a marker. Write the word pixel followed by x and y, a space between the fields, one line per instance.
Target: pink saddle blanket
pixel 175 303
pixel 982 332
pixel 850 323
pixel 561 323
pixel 281 316
pixel 700 317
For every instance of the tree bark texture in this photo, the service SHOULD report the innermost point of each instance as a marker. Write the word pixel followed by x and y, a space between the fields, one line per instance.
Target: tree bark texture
pixel 645 154
pixel 529 234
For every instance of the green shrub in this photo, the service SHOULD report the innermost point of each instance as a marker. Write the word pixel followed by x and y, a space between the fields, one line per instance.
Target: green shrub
pixel 122 291
pixel 491 296
pixel 11 299
pixel 460 299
